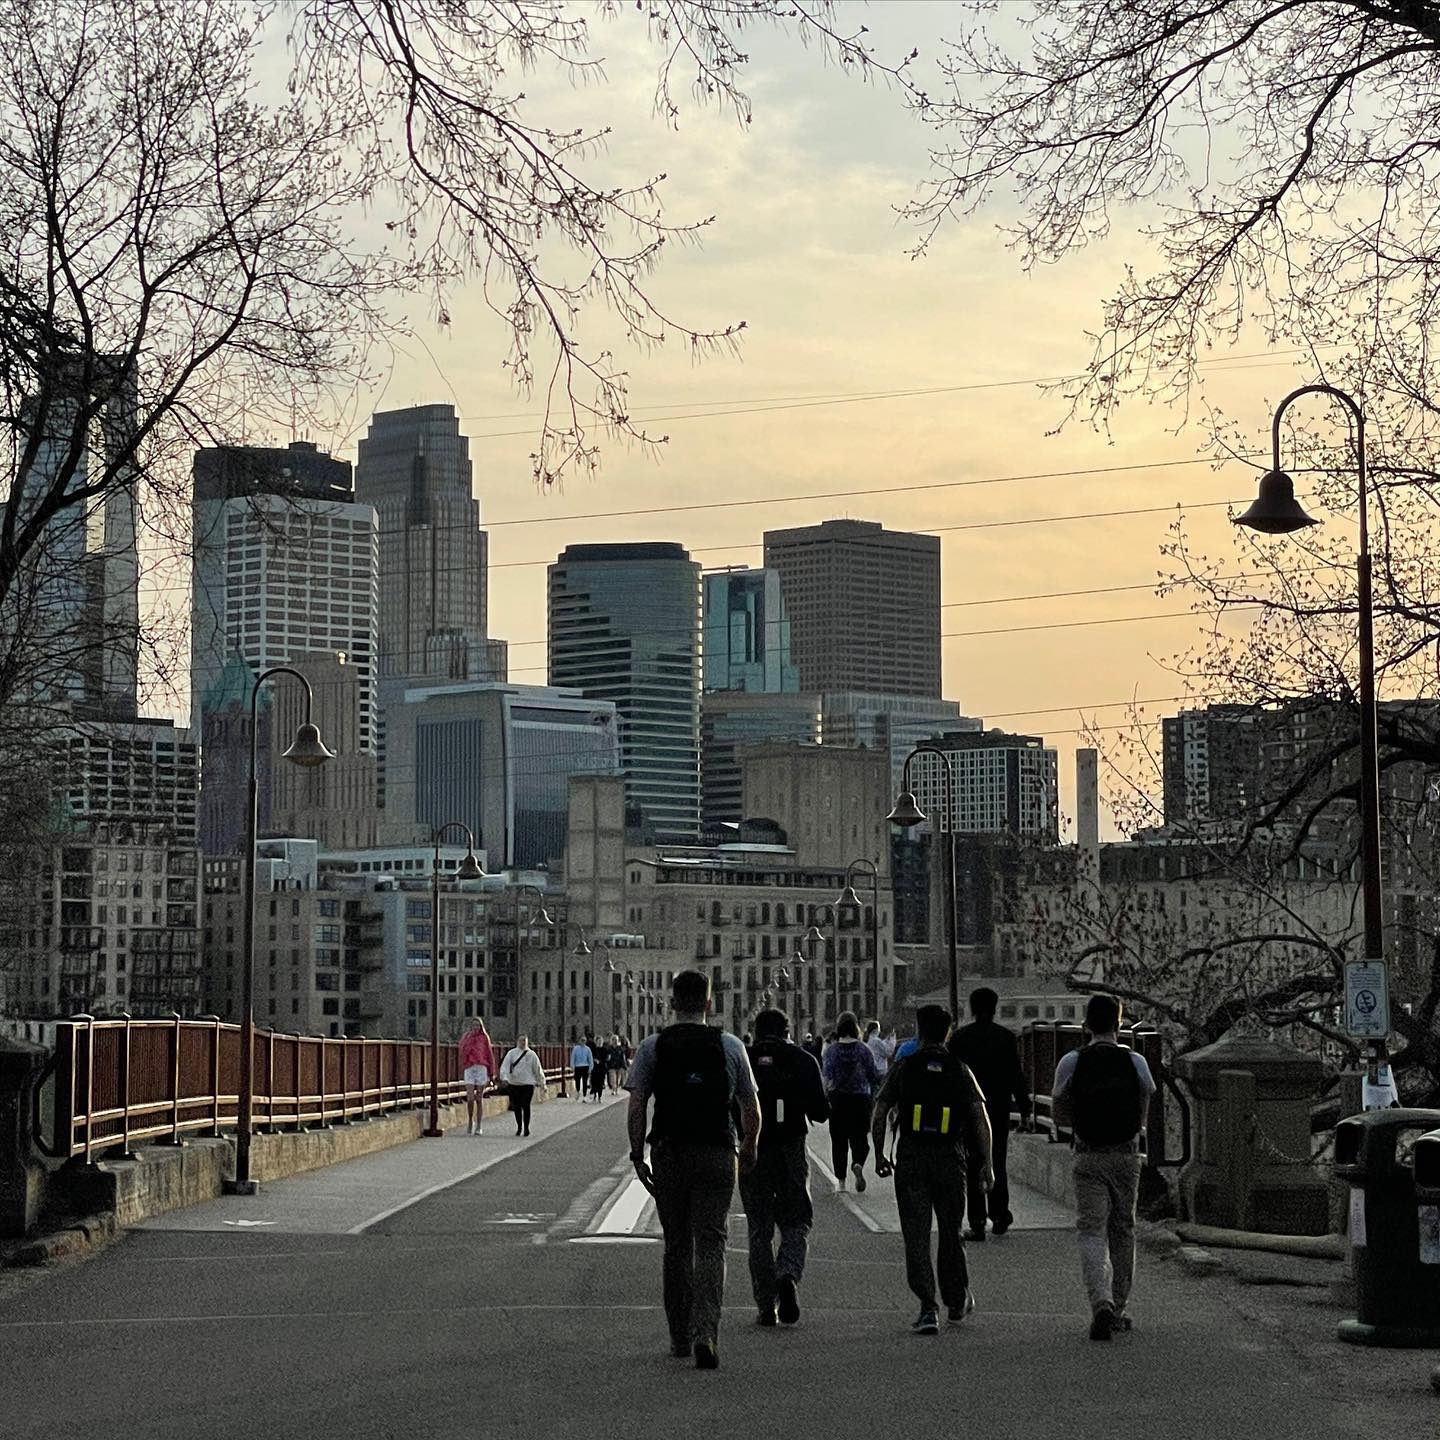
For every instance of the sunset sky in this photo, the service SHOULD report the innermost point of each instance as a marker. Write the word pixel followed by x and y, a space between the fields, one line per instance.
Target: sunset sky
pixel 808 250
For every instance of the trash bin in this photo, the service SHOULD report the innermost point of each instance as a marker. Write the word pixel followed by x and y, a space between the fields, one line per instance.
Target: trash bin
pixel 1398 1296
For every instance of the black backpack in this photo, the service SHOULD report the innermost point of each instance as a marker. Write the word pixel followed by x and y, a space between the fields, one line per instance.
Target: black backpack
pixel 692 1086
pixel 1106 1095
pixel 780 1081
pixel 933 1097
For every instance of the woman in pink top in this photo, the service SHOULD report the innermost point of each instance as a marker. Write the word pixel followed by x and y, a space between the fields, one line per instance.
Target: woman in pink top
pixel 477 1063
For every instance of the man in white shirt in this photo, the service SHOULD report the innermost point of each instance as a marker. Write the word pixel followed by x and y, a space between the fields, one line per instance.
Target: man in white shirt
pixel 1102 1092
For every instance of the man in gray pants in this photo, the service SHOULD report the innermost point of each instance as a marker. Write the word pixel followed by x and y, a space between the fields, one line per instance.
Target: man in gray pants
pixel 1103 1093
pixel 700 1079
pixel 777 1191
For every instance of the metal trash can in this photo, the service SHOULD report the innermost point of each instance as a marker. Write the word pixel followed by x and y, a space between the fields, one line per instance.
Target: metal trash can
pixel 1398 1295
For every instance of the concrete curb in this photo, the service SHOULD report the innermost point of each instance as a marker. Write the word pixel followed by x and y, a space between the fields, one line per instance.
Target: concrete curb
pixel 82 1237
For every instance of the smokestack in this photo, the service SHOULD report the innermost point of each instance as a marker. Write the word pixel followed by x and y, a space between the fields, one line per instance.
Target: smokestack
pixel 1087 810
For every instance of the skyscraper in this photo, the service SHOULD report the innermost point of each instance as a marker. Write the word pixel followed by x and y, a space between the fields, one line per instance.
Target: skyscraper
pixel 624 625
pixel 863 604
pixel 414 468
pixel 747 634
pixel 1003 784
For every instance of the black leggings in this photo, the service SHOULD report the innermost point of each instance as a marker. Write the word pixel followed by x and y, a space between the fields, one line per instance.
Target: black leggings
pixel 849 1131
pixel 520 1098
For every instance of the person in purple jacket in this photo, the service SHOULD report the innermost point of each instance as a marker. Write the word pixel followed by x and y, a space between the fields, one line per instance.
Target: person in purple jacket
pixel 851 1080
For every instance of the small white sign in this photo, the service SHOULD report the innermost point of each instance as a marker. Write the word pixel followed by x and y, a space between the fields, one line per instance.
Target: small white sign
pixel 1367 1000
pixel 1430 1234
pixel 1357 1217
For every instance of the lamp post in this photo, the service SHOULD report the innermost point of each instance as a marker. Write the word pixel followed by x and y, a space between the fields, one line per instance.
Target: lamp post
pixel 468 869
pixel 849 898
pixel 812 937
pixel 1277 512
pixel 797 965
pixel 545 919
pixel 581 952
pixel 905 814
pixel 306 749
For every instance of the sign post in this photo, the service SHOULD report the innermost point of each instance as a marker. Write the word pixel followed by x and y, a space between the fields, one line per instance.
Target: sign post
pixel 1367 1017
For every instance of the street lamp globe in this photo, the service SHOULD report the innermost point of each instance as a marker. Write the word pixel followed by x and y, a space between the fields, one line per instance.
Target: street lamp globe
pixel 469 868
pixel 1276 511
pixel 581 950
pixel 308 748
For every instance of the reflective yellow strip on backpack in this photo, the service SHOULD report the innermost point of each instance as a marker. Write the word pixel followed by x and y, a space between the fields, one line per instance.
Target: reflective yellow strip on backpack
pixel 915 1123
pixel 945 1120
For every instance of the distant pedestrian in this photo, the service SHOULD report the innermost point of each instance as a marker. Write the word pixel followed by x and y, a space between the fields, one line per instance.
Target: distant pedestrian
pixel 477 1066
pixel 522 1074
pixel 598 1072
pixel 880 1047
pixel 776 1193
pixel 582 1061
pixel 851 1083
pixel 942 1120
pixel 813 1046
pixel 991 1052
pixel 1102 1092
pixel 700 1079
pixel 615 1064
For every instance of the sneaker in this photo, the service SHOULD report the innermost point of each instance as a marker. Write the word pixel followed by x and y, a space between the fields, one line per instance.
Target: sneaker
pixel 479 1129
pixel 957 1313
pixel 859 1174
pixel 926 1323
pixel 1102 1326
pixel 789 1301
pixel 470 1127
pixel 977 1234
pixel 707 1357
pixel 766 1317
pixel 1122 1324
pixel 1000 1227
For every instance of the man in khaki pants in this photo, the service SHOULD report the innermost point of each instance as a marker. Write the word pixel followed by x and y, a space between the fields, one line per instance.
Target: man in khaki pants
pixel 1103 1093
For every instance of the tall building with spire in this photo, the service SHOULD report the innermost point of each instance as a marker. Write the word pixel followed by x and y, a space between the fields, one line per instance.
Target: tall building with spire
pixel 414 469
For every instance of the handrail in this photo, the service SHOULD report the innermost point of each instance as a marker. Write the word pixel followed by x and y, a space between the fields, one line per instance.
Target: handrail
pixel 119 1081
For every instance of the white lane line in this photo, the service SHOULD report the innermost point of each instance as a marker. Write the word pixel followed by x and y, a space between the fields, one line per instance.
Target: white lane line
pixel 846 1198
pixel 625 1213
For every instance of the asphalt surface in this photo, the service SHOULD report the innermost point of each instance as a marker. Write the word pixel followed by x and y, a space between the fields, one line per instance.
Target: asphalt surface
pixel 522 1299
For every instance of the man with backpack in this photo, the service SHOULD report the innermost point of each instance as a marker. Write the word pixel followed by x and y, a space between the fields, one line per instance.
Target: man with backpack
pixel 941 1121
pixel 777 1191
pixel 700 1079
pixel 1102 1092
pixel 991 1052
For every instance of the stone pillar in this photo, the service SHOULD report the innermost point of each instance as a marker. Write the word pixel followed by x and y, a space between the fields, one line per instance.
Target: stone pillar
pixel 22 1176
pixel 1251 1168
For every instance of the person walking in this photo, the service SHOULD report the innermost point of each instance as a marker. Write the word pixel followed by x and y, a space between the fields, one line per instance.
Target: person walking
pixel 700 1079
pixel 813 1046
pixel 477 1066
pixel 598 1072
pixel 615 1064
pixel 582 1060
pixel 522 1074
pixel 942 1121
pixel 880 1047
pixel 993 1055
pixel 850 1083
pixel 1102 1092
pixel 776 1193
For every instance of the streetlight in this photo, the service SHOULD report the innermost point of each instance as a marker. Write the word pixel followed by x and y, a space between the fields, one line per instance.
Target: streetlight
pixel 306 749
pixel 848 898
pixel 908 813
pixel 545 919
pixel 468 869
pixel 1276 511
pixel 813 937
pixel 580 952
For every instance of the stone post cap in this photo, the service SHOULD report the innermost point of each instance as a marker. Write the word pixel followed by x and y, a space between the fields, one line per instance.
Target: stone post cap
pixel 1276 1066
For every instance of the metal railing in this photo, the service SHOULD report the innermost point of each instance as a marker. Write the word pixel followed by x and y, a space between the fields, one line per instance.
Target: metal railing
pixel 1044 1043
pixel 113 1083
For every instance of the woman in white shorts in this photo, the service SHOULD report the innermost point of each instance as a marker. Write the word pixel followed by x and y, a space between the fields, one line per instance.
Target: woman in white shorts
pixel 477 1065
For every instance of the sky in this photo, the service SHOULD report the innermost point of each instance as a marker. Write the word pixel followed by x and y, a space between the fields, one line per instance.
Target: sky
pixel 808 250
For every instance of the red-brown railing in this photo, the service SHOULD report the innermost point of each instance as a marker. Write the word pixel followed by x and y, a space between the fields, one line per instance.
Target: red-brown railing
pixel 117 1082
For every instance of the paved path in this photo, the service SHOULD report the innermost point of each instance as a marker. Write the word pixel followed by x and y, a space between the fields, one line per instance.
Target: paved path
pixel 522 1300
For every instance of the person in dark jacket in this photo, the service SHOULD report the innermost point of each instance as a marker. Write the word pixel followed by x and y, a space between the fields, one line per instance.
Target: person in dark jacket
pixel 991 1052
pixel 776 1193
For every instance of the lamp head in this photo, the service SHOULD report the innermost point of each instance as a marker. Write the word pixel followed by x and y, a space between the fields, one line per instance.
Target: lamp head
pixel 610 967
pixel 469 868
pixel 544 916
pixel 906 812
pixel 848 897
pixel 582 949
pixel 308 748
pixel 1276 511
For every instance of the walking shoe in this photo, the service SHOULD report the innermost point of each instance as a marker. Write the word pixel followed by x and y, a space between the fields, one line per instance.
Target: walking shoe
pixel 707 1357
pixel 1122 1324
pixel 1000 1227
pixel 977 1234
pixel 789 1300
pixel 766 1317
pixel 470 1127
pixel 926 1323
pixel 858 1170
pixel 957 1313
pixel 1102 1327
